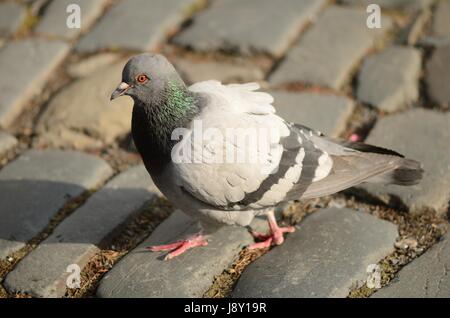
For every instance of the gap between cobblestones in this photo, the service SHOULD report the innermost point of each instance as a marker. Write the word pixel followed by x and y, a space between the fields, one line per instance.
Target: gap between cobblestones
pixel 24 126
pixel 137 229
pixel 278 61
pixel 12 154
pixel 425 100
pixel 361 122
pixel 189 14
pixel 223 284
pixel 8 264
pixel 174 52
pixel 28 23
pixel 425 228
pixel 348 88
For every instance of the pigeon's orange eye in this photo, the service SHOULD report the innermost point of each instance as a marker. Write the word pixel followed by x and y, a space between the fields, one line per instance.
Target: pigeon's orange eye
pixel 142 78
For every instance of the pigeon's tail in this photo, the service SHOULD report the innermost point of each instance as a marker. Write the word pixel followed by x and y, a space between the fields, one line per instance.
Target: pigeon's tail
pixel 405 172
pixel 355 163
pixel 408 172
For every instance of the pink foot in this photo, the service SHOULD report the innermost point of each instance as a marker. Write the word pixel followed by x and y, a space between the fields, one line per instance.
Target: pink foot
pixel 274 238
pixel 354 137
pixel 180 247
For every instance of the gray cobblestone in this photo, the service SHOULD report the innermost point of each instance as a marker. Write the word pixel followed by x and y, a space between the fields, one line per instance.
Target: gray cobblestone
pixel 91 64
pixel 438 75
pixel 243 25
pixel 193 72
pixel 330 49
pixel 144 274
pixel 82 115
pixel 422 135
pixel 439 33
pixel 389 79
pixel 425 277
pixel 324 112
pixel 441 21
pixel 11 18
pixel 42 273
pixel 54 20
pixel 393 4
pixel 327 254
pixel 36 185
pixel 31 61
pixel 147 24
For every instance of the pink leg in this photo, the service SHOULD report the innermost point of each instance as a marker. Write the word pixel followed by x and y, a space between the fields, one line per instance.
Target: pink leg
pixel 276 234
pixel 180 247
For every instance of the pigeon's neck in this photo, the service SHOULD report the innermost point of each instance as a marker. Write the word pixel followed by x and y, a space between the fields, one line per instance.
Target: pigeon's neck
pixel 153 122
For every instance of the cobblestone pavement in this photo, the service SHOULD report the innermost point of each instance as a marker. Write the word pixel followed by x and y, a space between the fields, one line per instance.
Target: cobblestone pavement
pixel 77 208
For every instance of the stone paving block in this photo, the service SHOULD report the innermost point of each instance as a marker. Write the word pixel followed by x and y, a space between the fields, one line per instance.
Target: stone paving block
pixel 91 64
pixel 434 41
pixel 439 33
pixel 82 115
pixel 324 112
pixel 31 61
pixel 147 24
pixel 325 257
pixel 441 20
pixel 36 185
pixel 438 75
pixel 7 142
pixel 54 21
pixel 145 274
pixel 389 80
pixel 422 135
pixel 327 53
pixel 425 277
pixel 393 4
pixel 243 25
pixel 42 273
pixel 225 72
pixel 12 16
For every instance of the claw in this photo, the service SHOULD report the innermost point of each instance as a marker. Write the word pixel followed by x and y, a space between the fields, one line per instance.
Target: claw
pixel 259 235
pixel 274 238
pixel 180 247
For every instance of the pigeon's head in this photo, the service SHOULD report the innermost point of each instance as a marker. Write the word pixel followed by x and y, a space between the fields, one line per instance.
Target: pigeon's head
pixel 145 77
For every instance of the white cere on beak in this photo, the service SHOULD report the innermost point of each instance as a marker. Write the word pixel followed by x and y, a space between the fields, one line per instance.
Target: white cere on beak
pixel 120 90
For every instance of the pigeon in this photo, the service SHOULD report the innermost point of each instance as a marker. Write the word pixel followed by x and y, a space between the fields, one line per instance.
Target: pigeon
pixel 198 144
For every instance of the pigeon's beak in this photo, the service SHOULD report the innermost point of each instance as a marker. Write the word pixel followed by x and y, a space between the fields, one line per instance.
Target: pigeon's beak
pixel 120 90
